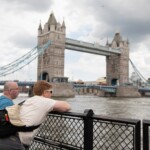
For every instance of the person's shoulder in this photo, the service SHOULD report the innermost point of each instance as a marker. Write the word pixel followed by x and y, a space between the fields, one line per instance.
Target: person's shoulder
pixel 33 98
pixel 3 97
pixel 37 98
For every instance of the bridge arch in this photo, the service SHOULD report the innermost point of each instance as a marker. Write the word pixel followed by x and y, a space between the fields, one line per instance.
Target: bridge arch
pixel 44 76
pixel 114 82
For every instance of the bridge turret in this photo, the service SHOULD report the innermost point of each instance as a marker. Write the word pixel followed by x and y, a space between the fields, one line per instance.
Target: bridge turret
pixel 58 27
pixel 45 28
pixel 52 23
pixel 118 65
pixel 117 39
pixel 114 44
pixel 51 62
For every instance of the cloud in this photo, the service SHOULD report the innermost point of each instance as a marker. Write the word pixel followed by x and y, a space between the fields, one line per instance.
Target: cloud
pixel 86 20
pixel 119 15
pixel 23 39
pixel 27 5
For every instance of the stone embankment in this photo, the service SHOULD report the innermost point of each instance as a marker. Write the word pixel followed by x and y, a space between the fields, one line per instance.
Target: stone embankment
pixel 63 90
pixel 59 90
pixel 127 91
pixel 121 91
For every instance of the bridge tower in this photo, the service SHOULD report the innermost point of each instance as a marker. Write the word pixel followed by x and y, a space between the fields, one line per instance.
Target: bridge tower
pixel 51 62
pixel 118 65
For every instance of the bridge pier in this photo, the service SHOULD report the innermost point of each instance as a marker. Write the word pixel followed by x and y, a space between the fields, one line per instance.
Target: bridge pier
pixel 100 93
pixel 127 91
pixel 95 91
pixel 90 91
pixel 80 92
pixel 85 90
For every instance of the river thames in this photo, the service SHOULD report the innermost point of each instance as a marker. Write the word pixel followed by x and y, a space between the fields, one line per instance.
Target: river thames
pixel 133 108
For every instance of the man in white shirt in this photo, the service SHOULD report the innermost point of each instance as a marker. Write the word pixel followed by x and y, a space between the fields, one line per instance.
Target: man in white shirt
pixel 35 109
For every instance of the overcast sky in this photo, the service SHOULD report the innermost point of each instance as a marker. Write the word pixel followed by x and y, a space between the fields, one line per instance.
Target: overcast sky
pixel 88 20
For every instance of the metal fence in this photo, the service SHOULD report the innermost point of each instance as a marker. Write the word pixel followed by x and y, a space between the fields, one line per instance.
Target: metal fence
pixel 86 131
pixel 146 135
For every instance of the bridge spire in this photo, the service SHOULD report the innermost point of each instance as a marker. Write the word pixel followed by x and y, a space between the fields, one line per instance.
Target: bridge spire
pixel 63 26
pixel 107 42
pixel 40 29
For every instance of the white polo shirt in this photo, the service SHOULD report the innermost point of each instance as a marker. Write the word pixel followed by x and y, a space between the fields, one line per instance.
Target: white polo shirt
pixel 33 112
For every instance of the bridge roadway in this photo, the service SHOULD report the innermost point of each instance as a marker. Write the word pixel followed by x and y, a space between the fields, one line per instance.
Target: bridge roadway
pixel 21 83
pixel 81 46
pixel 109 89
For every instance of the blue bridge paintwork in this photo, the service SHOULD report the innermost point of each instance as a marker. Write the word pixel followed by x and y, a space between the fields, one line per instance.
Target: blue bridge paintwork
pixel 21 83
pixel 110 89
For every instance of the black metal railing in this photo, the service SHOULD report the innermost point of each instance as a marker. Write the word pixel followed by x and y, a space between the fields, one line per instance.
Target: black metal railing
pixel 116 134
pixel 146 135
pixel 86 131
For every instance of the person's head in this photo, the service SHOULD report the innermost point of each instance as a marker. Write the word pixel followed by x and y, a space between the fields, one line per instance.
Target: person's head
pixel 42 88
pixel 11 89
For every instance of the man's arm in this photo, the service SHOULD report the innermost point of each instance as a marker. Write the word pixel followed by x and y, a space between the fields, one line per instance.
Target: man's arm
pixel 61 106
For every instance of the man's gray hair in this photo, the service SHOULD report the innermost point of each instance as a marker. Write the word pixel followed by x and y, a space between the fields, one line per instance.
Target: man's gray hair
pixel 7 85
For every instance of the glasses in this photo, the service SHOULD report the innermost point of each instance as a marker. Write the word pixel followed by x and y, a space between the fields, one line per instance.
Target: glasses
pixel 15 89
pixel 51 91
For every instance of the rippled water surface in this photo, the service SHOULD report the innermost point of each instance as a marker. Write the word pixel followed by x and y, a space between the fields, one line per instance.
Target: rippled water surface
pixel 136 108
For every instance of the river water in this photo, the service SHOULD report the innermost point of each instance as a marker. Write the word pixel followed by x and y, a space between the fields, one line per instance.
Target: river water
pixel 133 108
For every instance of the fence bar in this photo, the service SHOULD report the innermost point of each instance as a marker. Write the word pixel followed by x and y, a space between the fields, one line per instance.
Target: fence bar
pixel 146 124
pixel 88 130
pixel 138 136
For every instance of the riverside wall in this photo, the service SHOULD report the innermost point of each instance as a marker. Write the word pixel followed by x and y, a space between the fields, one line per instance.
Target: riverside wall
pixel 62 89
pixel 66 90
pixel 121 91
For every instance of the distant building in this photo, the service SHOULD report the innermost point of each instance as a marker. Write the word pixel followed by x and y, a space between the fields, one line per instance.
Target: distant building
pixel 102 81
pixel 79 82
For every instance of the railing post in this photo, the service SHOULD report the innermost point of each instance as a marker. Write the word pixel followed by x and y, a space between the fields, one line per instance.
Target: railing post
pixel 146 125
pixel 88 130
pixel 138 136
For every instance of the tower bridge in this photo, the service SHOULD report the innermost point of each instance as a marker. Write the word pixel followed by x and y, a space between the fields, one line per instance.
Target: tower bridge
pixel 51 62
pixel 52 42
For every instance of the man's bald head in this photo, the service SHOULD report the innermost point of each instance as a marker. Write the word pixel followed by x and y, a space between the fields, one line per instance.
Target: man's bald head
pixel 11 89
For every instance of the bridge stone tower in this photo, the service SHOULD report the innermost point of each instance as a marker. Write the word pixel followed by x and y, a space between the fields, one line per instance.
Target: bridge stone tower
pixel 51 62
pixel 118 65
